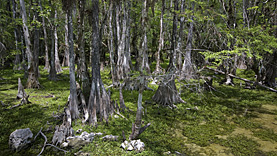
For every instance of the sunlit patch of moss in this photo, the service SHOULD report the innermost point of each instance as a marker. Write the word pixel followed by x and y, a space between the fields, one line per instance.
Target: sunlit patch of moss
pixel 245 122
pixel 240 145
pixel 266 134
pixel 205 134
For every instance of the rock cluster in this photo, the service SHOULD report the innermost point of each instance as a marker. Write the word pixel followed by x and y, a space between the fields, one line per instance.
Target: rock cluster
pixel 20 138
pixel 78 141
pixel 136 145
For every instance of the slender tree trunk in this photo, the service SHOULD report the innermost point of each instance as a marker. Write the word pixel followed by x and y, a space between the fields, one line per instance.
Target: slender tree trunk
pixel 66 50
pixel 17 56
pixel 172 61
pixel 32 81
pixel 73 105
pixel 187 69
pixel 52 73
pixel 137 126
pixel 128 38
pixel 36 42
pixel 47 65
pixel 179 47
pixel 161 41
pixel 112 49
pixel 81 45
pixel 120 38
pixel 143 55
pixel 57 60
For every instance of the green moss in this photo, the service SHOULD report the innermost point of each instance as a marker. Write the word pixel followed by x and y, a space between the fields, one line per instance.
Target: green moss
pixel 204 116
pixel 240 145
pixel 205 134
pixel 266 134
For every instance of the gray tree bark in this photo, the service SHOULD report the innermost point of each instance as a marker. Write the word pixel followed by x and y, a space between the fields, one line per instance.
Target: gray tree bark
pixel 99 100
pixel 161 41
pixel 84 76
pixel 47 65
pixel 36 41
pixel 73 91
pixel 66 50
pixel 111 43
pixel 187 69
pixel 143 55
pixel 57 59
pixel 179 48
pixel 17 65
pixel 172 61
pixel 52 71
pixel 32 81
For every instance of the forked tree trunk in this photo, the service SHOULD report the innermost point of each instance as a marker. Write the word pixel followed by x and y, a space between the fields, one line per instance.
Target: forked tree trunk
pixel 99 101
pixel 32 81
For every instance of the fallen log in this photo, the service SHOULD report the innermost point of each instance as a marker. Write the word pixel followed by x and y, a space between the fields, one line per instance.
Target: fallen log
pixel 245 80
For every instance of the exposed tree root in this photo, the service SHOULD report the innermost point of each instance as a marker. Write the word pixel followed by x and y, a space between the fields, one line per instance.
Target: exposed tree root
pixel 167 93
pixel 21 94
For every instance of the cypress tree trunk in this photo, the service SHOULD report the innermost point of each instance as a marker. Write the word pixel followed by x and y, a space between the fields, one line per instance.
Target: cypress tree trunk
pixel 17 56
pixel 57 60
pixel 112 49
pixel 99 100
pixel 53 73
pixel 32 81
pixel 66 50
pixel 179 47
pixel 36 43
pixel 143 55
pixel 47 65
pixel 187 69
pixel 172 61
pixel 161 41
pixel 83 67
pixel 73 91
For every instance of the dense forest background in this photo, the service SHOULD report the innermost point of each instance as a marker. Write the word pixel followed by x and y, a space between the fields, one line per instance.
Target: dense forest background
pixel 169 52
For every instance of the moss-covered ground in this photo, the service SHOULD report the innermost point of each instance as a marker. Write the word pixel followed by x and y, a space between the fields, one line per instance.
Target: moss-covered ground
pixel 228 121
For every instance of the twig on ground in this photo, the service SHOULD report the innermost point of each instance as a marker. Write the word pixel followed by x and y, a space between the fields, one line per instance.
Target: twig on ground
pixel 45 143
